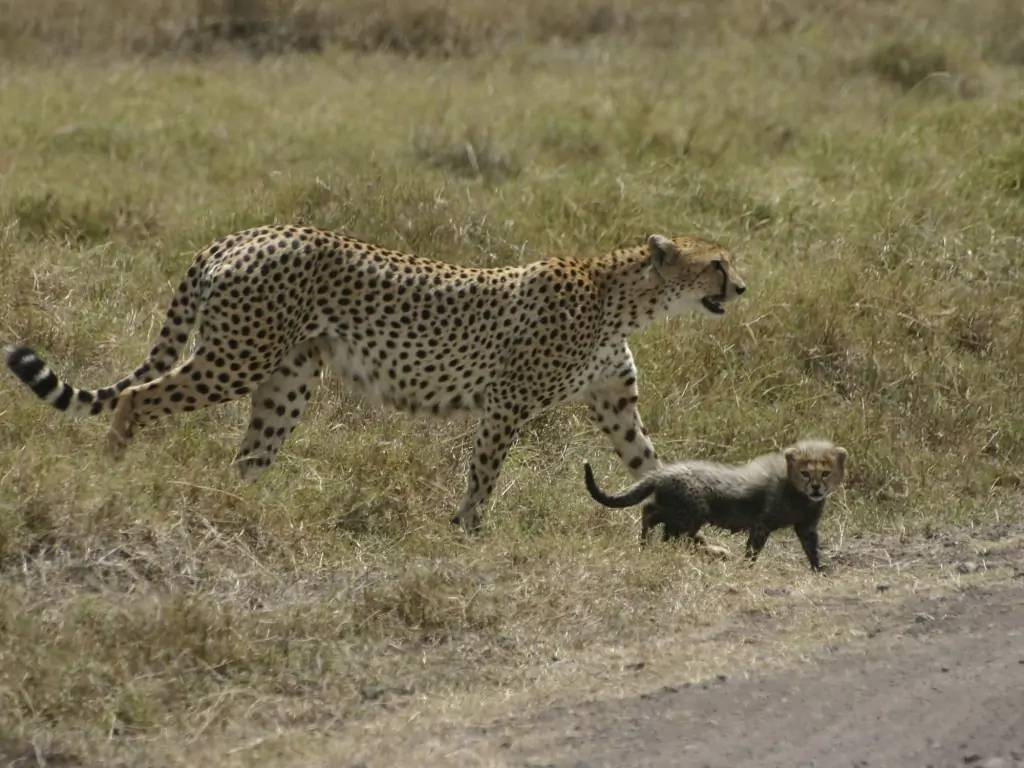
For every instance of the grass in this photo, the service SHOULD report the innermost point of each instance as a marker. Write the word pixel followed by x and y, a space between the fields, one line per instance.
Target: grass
pixel 159 611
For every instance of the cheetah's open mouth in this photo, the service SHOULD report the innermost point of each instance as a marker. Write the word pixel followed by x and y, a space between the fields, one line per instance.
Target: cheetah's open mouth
pixel 712 305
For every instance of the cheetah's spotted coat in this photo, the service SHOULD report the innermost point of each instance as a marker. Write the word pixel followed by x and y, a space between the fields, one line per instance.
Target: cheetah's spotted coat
pixel 274 304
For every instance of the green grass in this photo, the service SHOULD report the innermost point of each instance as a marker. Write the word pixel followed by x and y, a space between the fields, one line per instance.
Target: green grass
pixel 158 609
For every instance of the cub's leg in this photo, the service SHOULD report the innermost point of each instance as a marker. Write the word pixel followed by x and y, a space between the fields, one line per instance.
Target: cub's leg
pixel 686 518
pixel 494 436
pixel 650 516
pixel 681 516
pixel 613 408
pixel 675 518
pixel 202 380
pixel 808 535
pixel 679 521
pixel 756 541
pixel 277 406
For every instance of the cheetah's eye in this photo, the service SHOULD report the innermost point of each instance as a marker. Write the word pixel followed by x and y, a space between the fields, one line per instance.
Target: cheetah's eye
pixel 825 474
pixel 806 474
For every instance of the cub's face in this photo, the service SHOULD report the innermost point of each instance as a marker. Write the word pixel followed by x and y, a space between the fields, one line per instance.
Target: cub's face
pixel 695 273
pixel 816 469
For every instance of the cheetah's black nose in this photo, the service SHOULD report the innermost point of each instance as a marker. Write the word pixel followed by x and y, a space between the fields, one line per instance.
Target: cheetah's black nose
pixel 740 289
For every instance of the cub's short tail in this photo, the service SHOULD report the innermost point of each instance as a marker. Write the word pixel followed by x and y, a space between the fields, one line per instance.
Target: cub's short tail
pixel 632 495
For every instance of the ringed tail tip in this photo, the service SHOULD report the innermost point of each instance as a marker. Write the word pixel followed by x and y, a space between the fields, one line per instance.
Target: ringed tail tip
pixel 23 362
pixel 34 373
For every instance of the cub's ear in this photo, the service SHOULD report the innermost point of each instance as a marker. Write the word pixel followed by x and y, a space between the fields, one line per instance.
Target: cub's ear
pixel 841 457
pixel 791 455
pixel 661 249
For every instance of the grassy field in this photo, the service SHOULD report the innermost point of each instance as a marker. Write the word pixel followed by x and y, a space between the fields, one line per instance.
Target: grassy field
pixel 863 161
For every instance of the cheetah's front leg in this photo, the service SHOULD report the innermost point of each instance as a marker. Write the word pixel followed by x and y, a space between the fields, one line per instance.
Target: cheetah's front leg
pixel 494 436
pixel 613 405
pixel 613 408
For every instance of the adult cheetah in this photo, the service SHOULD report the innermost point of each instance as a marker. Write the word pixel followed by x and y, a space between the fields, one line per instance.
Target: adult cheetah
pixel 275 303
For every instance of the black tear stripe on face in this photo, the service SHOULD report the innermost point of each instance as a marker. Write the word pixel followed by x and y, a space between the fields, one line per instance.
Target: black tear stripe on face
pixel 725 277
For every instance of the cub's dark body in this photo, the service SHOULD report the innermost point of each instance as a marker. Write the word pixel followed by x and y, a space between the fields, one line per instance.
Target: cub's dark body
pixel 760 497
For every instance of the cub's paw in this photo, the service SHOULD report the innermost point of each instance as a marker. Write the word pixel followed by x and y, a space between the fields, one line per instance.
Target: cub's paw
pixel 717 552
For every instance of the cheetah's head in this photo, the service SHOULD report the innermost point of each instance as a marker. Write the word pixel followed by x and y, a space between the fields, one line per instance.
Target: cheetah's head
pixel 694 270
pixel 815 467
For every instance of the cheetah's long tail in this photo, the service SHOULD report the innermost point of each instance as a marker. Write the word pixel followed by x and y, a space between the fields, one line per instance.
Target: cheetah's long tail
pixel 632 495
pixel 40 378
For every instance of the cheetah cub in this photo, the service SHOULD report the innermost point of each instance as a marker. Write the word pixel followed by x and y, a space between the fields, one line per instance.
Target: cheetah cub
pixel 768 493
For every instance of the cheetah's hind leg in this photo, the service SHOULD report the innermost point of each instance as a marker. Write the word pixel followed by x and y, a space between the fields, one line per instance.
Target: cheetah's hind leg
pixel 200 381
pixel 495 434
pixel 120 432
pixel 277 406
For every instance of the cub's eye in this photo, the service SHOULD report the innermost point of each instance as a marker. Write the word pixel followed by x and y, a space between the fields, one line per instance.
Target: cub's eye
pixel 825 474
pixel 806 474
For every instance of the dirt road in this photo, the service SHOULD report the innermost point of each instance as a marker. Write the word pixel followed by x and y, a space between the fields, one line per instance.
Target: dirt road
pixel 909 653
pixel 943 685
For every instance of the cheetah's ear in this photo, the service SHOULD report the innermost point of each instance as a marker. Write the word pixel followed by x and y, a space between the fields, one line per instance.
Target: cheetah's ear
pixel 661 249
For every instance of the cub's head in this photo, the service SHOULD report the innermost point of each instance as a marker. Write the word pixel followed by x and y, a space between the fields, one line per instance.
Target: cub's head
pixel 693 271
pixel 815 467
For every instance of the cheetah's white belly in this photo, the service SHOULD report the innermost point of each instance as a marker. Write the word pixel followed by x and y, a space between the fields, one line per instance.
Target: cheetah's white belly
pixel 405 384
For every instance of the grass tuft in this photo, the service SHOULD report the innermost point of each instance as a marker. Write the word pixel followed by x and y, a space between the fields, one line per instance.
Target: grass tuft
pixel 473 153
pixel 80 222
pixel 921 67
pixel 908 64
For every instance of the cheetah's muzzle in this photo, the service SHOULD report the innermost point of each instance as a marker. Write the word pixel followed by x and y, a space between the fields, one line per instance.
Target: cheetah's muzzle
pixel 714 306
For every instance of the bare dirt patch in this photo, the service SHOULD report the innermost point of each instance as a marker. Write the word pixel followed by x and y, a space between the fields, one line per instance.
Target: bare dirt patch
pixel 940 686
pixel 932 680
